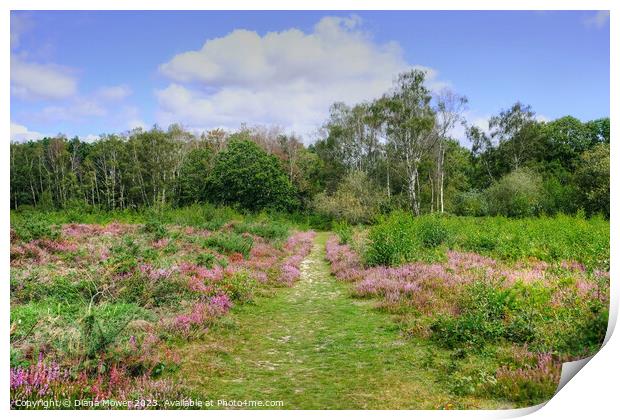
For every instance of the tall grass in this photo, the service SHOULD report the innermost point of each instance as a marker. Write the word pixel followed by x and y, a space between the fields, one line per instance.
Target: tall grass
pixel 401 238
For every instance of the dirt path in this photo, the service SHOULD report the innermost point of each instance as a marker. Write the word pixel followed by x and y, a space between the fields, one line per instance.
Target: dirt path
pixel 313 347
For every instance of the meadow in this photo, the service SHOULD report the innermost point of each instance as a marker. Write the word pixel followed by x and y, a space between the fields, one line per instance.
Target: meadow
pixel 97 309
pixel 120 305
pixel 510 299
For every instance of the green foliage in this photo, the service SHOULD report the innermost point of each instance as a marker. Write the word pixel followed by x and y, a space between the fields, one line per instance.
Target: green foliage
pixel 268 229
pixel 240 287
pixel 471 203
pixel 357 200
pixel 206 260
pixel 432 232
pixel 344 232
pixel 102 326
pixel 518 194
pixel 481 319
pixel 392 241
pixel 32 225
pixel 193 175
pixel 230 242
pixel 156 228
pixel 592 176
pixel 247 176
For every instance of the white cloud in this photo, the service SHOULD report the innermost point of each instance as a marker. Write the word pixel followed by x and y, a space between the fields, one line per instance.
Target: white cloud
pixel 75 110
pixel 19 25
pixel 113 93
pixel 287 78
pixel 597 20
pixel 22 133
pixel 30 80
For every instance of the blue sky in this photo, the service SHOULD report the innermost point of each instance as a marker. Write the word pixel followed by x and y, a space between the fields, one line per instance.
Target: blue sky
pixel 89 73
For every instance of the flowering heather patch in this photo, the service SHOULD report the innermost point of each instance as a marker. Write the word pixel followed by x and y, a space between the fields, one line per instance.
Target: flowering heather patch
pixel 530 384
pixel 87 230
pixel 50 382
pixel 300 244
pixel 345 264
pixel 156 274
pixel 146 291
pixel 36 380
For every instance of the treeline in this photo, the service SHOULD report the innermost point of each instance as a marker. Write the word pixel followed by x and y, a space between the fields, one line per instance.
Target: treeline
pixel 392 153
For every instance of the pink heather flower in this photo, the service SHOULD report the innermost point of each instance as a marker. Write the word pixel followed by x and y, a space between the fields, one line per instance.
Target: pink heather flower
pixel 161 243
pixel 219 305
pixel 260 276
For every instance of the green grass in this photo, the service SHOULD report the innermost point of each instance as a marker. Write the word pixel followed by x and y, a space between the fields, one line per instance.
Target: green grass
pixel 401 238
pixel 319 349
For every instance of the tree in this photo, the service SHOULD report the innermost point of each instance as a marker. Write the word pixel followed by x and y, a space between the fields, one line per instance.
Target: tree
pixel 592 176
pixel 246 175
pixel 516 132
pixel 193 175
pixel 450 107
pixel 566 139
pixel 410 124
pixel 518 194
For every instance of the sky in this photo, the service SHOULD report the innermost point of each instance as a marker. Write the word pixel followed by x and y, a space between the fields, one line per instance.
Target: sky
pixel 90 73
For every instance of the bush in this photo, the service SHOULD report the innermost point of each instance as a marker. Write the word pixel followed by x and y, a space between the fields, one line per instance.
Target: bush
pixel 392 241
pixel 230 243
pixel 471 203
pixel 432 232
pixel 155 227
pixel 344 232
pixel 483 308
pixel 518 194
pixel 271 229
pixel 240 287
pixel 31 226
pixel 247 176
pixel 357 200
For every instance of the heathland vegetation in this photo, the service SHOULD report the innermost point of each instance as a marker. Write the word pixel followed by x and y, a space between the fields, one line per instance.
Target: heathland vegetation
pixel 488 263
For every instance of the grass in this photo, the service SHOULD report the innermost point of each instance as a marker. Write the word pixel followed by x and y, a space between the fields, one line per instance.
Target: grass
pixel 401 238
pixel 319 350
pixel 148 300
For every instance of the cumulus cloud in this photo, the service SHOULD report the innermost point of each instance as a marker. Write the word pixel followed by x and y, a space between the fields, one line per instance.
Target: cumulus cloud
pixel 287 78
pixel 599 19
pixel 113 93
pixel 22 133
pixel 19 25
pixel 30 80
pixel 76 110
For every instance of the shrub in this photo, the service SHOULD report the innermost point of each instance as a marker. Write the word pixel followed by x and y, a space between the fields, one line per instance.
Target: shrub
pixel 247 176
pixel 471 203
pixel 31 226
pixel 392 241
pixel 482 311
pixel 432 231
pixel 240 286
pixel 518 194
pixel 156 228
pixel 230 243
pixel 528 385
pixel 272 230
pixel 357 200
pixel 344 231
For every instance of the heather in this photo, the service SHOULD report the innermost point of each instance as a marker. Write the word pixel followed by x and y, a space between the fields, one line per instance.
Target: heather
pixel 480 287
pixel 100 310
